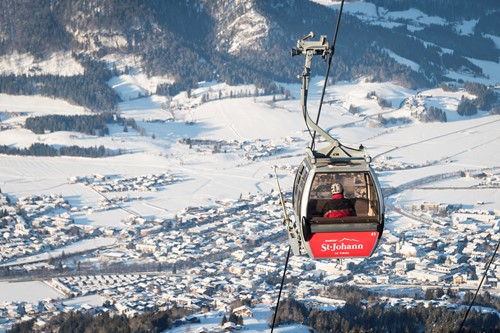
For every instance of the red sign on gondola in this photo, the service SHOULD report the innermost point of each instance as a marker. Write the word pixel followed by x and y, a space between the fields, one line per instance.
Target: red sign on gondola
pixel 343 244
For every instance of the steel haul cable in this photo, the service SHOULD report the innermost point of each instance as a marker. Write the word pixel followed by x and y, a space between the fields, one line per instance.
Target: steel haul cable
pixel 312 147
pixel 281 288
pixel 328 70
pixel 479 287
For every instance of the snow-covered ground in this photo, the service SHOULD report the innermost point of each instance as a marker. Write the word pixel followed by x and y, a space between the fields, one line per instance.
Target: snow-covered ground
pixel 257 323
pixel 461 143
pixel 31 291
pixel 375 15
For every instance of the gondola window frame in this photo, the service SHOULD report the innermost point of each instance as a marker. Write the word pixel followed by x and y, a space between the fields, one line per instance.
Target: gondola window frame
pixel 300 182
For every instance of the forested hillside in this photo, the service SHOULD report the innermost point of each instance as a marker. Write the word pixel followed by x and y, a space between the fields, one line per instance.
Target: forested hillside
pixel 89 89
pixel 202 40
pixel 450 9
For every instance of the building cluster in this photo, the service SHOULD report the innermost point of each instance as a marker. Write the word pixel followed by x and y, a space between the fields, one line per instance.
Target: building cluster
pixel 385 163
pixel 416 105
pixel 36 224
pixel 206 257
pixel 199 232
pixel 144 183
pixel 252 149
pixel 451 249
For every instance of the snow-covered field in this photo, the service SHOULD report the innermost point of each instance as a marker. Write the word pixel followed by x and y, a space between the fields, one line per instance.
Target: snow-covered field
pixel 31 291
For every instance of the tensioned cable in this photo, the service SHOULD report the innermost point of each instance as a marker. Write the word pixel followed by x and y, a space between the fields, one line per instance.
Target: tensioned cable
pixel 312 147
pixel 479 287
pixel 281 288
pixel 328 70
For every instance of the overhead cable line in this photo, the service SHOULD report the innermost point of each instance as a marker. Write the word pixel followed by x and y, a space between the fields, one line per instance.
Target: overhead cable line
pixel 305 75
pixel 479 287
pixel 281 289
pixel 332 52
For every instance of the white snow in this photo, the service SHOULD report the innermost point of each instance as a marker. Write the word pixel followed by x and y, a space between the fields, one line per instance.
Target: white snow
pixel 77 302
pixel 413 65
pixel 35 106
pixel 461 144
pixel 247 30
pixel 59 63
pixel 466 27
pixel 469 141
pixel 31 291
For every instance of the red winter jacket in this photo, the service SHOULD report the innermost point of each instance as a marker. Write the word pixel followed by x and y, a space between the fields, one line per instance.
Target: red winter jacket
pixel 338 207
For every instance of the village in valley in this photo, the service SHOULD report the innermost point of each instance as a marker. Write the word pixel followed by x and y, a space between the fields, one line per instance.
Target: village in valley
pixel 125 241
pixel 205 258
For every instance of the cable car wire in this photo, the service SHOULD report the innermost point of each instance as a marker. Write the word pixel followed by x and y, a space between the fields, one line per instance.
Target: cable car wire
pixel 332 48
pixel 286 222
pixel 479 287
pixel 281 288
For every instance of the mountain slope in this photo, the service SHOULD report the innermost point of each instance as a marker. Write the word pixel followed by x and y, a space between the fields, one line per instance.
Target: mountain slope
pixel 240 41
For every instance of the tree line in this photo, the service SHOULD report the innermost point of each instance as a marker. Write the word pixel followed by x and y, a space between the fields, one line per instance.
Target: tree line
pixel 486 99
pixel 79 89
pixel 42 149
pixel 356 318
pixel 473 46
pixel 380 317
pixel 432 114
pixel 82 322
pixel 94 124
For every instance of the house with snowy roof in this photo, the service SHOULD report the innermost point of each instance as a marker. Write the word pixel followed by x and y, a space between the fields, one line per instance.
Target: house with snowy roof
pixel 244 311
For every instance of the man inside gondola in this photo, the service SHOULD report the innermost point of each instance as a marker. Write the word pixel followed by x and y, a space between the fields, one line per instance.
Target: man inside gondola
pixel 339 206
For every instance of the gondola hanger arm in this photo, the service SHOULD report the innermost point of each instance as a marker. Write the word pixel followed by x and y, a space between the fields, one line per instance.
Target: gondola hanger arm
pixel 311 48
